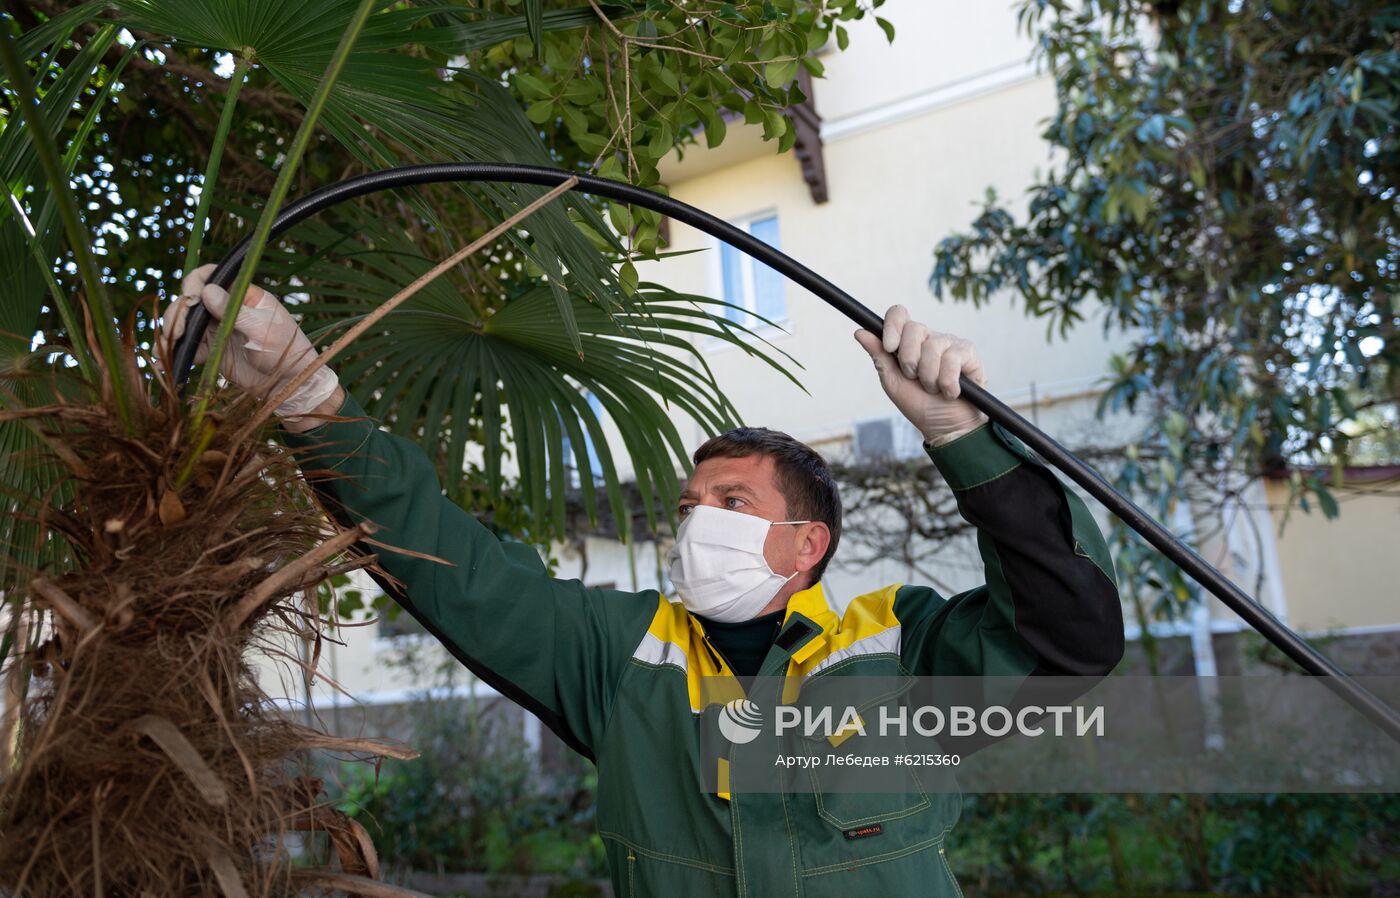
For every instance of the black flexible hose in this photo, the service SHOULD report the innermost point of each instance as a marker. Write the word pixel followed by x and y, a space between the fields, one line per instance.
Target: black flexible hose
pixel 1254 614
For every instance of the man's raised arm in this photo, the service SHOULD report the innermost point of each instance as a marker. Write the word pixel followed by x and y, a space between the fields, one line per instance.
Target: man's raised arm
pixel 555 646
pixel 1050 603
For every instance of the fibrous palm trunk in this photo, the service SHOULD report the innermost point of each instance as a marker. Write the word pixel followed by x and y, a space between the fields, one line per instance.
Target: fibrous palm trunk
pixel 149 760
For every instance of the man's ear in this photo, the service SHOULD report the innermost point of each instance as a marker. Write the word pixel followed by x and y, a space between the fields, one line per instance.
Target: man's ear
pixel 816 539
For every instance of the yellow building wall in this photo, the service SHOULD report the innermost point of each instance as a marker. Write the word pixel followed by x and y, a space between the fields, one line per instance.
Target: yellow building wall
pixel 895 191
pixel 1344 572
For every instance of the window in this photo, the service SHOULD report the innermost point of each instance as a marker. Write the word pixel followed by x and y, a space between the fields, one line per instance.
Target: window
pixel 756 289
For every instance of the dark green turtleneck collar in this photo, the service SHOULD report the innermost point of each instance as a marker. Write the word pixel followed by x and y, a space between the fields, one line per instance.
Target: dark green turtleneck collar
pixel 745 644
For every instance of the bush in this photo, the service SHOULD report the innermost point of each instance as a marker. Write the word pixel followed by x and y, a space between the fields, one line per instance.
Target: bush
pixel 476 800
pixel 1224 844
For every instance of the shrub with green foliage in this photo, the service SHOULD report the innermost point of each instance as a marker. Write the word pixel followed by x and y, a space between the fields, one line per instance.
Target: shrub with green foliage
pixel 1160 844
pixel 476 800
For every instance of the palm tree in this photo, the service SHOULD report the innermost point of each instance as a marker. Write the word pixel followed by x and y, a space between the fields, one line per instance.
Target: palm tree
pixel 153 545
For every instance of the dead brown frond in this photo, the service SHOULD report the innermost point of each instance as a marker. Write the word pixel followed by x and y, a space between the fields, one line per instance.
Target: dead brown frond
pixel 149 760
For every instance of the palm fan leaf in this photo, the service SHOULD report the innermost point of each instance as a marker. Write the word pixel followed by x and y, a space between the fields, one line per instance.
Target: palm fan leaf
pixel 487 29
pixel 28 241
pixel 19 165
pixel 55 31
pixel 436 367
pixel 389 107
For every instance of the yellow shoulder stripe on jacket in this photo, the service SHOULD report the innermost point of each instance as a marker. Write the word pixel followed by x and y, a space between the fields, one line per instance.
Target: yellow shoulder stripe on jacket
pixel 868 627
pixel 674 639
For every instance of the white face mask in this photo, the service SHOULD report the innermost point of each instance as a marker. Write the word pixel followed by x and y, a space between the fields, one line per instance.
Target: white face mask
pixel 717 564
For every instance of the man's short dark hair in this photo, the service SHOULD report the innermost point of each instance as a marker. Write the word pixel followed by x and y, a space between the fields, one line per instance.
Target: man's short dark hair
pixel 803 477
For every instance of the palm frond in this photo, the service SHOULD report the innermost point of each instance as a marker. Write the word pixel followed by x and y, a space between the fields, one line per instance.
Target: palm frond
pixel 34 123
pixel 534 21
pixel 488 30
pixel 31 481
pixel 389 107
pixel 29 243
pixel 55 31
pixel 19 162
pixel 439 371
pixel 22 297
pixel 287 167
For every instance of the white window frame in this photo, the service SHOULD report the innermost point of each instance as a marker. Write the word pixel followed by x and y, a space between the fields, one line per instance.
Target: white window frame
pixel 781 327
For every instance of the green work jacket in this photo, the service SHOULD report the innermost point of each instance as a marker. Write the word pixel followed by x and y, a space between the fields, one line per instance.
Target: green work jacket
pixel 618 675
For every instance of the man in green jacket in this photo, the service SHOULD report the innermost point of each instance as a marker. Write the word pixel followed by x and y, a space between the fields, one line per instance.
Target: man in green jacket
pixel 622 676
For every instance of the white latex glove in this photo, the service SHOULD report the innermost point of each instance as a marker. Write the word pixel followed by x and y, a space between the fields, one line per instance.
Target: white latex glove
pixel 266 349
pixel 919 370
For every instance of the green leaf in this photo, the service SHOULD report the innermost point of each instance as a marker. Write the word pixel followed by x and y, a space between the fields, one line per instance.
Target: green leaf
pixel 774 124
pixel 1198 172
pixel 574 119
pixel 531 86
pixel 886 27
pixel 621 217
pixel 583 91
pixel 667 79
pixel 714 129
pixel 592 144
pixel 1325 500
pixel 788 140
pixel 779 74
pixel 627 274
pixel 661 141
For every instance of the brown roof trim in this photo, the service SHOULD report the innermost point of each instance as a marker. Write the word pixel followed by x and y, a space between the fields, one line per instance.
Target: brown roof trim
pixel 809 140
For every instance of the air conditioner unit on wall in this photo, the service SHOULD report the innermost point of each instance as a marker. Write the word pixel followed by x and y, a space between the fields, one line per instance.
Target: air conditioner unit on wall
pixel 885 439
